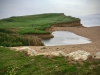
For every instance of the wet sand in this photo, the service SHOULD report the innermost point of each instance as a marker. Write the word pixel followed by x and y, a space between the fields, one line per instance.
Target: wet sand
pixel 93 33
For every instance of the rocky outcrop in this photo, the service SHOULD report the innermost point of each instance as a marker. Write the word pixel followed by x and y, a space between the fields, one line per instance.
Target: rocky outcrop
pixel 31 52
pixel 79 55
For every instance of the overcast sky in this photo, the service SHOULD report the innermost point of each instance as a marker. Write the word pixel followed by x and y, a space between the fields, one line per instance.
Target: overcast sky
pixel 75 8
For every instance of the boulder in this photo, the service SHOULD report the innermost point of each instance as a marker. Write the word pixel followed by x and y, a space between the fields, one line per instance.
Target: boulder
pixel 44 53
pixel 58 53
pixel 28 50
pixel 55 53
pixel 61 53
pixel 49 53
pixel 1 46
pixel 79 55
pixel 97 55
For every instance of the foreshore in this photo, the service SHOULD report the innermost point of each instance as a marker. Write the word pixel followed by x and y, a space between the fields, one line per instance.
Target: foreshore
pixel 92 33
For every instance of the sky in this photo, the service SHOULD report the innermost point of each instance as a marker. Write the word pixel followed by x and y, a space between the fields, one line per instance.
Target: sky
pixel 76 8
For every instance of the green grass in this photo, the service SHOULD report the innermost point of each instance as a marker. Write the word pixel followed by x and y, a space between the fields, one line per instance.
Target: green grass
pixel 8 38
pixel 30 30
pixel 16 63
pixel 36 23
pixel 12 28
pixel 12 40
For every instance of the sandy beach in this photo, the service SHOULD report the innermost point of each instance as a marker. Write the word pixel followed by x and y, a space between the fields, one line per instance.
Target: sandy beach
pixel 92 33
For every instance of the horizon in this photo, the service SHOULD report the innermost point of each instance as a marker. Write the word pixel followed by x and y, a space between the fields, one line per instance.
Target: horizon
pixel 76 8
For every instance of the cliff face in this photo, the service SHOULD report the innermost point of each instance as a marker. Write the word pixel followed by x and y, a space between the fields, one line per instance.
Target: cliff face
pixel 53 28
pixel 70 24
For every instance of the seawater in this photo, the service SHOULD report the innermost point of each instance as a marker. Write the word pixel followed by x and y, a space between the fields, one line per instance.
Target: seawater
pixel 65 38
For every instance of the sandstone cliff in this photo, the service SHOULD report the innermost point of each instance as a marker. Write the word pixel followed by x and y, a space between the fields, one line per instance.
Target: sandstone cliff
pixel 69 24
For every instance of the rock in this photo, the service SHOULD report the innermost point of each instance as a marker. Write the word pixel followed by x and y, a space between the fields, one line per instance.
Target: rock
pixel 97 55
pixel 55 53
pixel 28 50
pixel 58 53
pixel 49 53
pixel 79 55
pixel 45 53
pixel 61 53
pixel 1 46
pixel 31 52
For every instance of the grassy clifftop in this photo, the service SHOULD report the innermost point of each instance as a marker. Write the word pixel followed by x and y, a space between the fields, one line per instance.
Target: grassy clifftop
pixel 13 28
pixel 36 23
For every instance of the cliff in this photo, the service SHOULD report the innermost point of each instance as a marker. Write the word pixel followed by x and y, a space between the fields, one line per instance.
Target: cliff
pixel 40 25
pixel 69 24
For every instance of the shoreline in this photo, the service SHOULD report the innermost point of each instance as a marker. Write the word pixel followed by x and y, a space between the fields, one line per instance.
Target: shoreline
pixel 91 33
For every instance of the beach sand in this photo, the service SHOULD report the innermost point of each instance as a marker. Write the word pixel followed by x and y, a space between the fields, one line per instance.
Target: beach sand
pixel 92 33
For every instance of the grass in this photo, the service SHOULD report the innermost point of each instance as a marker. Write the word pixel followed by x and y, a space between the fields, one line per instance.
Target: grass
pixel 12 32
pixel 30 30
pixel 9 38
pixel 12 29
pixel 16 63
pixel 12 40
pixel 36 23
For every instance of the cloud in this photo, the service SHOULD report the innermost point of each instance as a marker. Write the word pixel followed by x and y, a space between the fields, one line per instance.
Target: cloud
pixel 77 7
pixel 29 7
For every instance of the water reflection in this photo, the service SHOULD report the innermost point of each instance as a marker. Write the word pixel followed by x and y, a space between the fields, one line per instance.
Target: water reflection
pixel 65 38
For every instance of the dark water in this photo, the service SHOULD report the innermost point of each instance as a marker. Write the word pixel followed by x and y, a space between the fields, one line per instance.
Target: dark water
pixel 65 38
